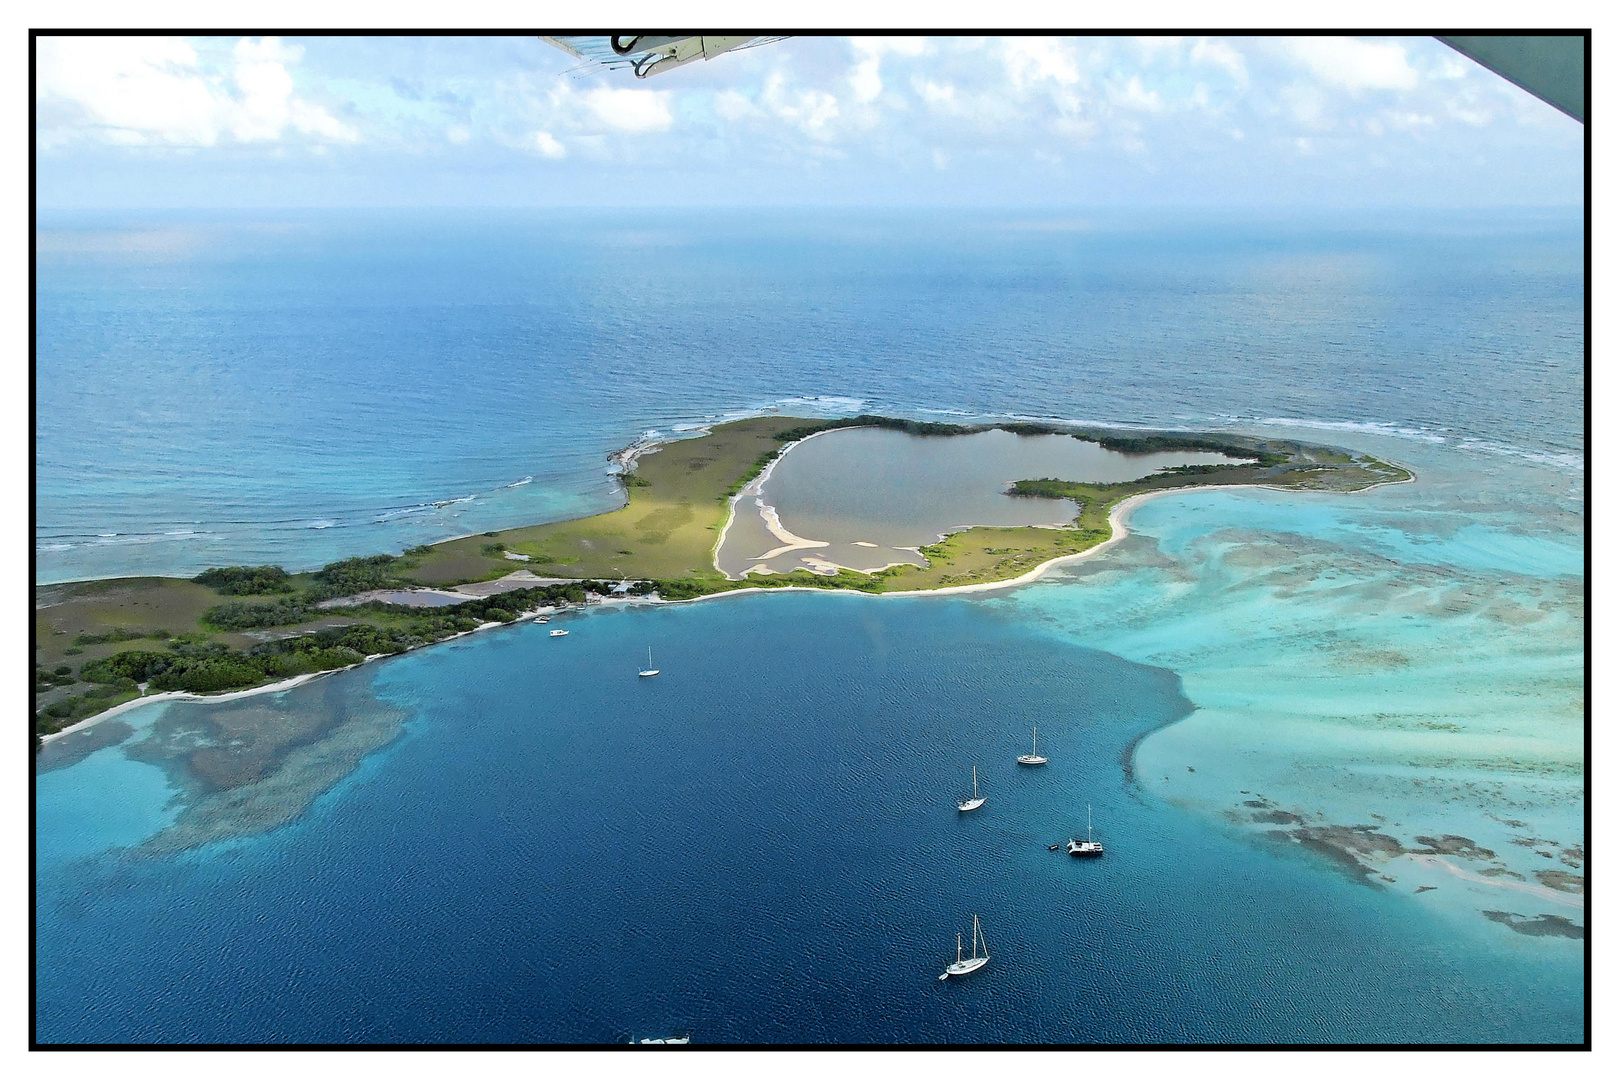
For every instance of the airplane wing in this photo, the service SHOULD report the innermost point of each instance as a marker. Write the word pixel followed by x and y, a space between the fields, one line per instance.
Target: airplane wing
pixel 1550 66
pixel 651 54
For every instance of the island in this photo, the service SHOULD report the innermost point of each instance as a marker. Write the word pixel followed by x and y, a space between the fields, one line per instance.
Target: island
pixel 103 645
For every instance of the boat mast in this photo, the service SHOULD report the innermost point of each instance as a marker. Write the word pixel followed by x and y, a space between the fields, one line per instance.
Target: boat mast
pixel 1032 752
pixel 959 947
pixel 1088 823
pixel 975 781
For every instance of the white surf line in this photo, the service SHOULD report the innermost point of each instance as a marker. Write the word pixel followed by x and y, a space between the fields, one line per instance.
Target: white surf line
pixel 1540 892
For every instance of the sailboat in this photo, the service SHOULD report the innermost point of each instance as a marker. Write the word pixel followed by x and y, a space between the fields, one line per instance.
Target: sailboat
pixel 972 963
pixel 1088 846
pixel 977 800
pixel 650 669
pixel 1031 758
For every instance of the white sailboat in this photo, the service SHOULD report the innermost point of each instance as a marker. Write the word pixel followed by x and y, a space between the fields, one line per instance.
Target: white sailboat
pixel 977 800
pixel 1031 758
pixel 651 671
pixel 972 963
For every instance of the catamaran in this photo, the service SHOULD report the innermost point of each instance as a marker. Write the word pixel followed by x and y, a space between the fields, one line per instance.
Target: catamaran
pixel 977 800
pixel 1088 846
pixel 972 963
pixel 1031 758
pixel 650 671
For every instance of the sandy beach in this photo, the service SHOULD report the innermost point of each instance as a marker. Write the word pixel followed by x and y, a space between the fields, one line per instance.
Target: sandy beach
pixel 186 695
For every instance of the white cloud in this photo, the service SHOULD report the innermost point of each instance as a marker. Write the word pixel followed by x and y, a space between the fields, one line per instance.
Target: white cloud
pixel 1354 64
pixel 631 110
pixel 731 105
pixel 934 93
pixel 1307 104
pixel 1135 97
pixel 1153 46
pixel 867 80
pixel 1473 117
pixel 1451 67
pixel 812 111
pixel 1222 55
pixel 548 146
pixel 1032 59
pixel 142 90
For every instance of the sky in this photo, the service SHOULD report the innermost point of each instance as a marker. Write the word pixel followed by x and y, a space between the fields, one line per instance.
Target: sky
pixel 128 122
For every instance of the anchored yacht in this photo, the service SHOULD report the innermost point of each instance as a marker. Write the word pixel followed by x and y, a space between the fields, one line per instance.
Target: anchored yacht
pixel 972 963
pixel 977 800
pixel 1031 758
pixel 1088 846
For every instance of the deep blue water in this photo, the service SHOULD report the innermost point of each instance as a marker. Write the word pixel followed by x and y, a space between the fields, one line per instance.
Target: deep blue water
pixel 761 845
pixel 303 388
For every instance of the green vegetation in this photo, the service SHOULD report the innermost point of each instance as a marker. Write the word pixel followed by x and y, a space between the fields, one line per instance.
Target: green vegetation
pixel 663 539
pixel 120 634
pixel 240 616
pixel 910 427
pixel 70 710
pixel 245 580
pixel 350 576
pixel 200 664
pixel 671 519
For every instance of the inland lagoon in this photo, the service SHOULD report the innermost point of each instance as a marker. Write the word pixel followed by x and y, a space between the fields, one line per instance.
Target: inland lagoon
pixel 867 498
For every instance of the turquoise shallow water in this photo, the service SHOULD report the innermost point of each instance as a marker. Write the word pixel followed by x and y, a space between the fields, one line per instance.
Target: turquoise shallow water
pixel 1407 657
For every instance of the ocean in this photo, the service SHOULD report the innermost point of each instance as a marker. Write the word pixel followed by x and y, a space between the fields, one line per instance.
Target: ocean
pixel 511 838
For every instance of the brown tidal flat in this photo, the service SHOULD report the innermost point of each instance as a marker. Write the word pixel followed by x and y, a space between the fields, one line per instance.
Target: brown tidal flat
pixel 1539 926
pixel 1562 880
pixel 249 767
